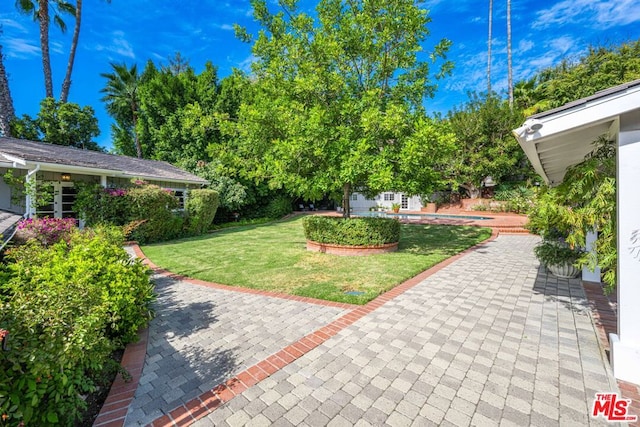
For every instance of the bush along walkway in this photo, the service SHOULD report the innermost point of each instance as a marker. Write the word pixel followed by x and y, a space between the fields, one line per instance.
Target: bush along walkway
pixel 484 338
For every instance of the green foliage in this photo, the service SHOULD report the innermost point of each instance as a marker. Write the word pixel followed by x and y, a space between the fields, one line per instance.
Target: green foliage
pixel 278 207
pixel 66 306
pixel 555 253
pixel 518 199
pixel 200 207
pixel 338 98
pixel 586 200
pixel 60 123
pixel 351 231
pixel 484 144
pixel 97 205
pixel 155 206
pixel 147 212
pixel 601 68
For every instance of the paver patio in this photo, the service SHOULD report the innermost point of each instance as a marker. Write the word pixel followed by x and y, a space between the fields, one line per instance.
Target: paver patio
pixel 488 340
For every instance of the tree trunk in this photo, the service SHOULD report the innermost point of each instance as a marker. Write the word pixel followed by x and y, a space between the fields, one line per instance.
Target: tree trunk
pixel 135 132
pixel 7 112
pixel 43 17
pixel 474 192
pixel 346 198
pixel 489 47
pixel 509 64
pixel 66 84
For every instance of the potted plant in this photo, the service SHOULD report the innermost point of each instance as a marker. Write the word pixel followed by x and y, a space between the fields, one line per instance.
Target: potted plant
pixel 558 258
pixel 395 207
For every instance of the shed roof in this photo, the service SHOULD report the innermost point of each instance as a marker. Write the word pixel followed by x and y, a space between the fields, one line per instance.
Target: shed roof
pixel 51 155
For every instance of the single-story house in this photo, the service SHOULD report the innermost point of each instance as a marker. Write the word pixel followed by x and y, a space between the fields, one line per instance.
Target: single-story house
pixel 361 203
pixel 63 166
pixel 557 139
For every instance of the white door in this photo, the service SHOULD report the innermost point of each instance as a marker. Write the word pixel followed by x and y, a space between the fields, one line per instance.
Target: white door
pixel 62 196
pixel 404 203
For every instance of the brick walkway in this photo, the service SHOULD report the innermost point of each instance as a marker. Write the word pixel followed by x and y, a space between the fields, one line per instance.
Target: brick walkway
pixel 489 339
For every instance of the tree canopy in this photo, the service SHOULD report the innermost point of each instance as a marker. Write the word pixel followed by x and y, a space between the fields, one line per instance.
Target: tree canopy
pixel 338 97
pixel 61 123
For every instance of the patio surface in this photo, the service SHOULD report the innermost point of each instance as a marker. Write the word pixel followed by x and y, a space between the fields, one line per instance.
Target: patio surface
pixel 485 339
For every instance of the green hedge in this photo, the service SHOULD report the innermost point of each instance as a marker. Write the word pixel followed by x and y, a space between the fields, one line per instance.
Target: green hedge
pixel 66 306
pixel 352 231
pixel 200 207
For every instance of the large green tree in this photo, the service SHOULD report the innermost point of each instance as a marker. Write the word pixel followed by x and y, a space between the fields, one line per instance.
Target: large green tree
pixel 484 144
pixel 339 95
pixel 60 123
pixel 123 104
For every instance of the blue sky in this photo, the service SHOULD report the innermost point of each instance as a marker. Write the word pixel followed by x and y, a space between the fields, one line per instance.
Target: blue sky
pixel 134 31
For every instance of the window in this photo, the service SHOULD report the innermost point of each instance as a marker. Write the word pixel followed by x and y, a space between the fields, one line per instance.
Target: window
pixel 179 194
pixel 354 197
pixel 404 202
pixel 389 197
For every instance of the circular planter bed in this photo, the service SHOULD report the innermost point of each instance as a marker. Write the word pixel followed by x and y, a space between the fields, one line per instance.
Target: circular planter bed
pixel 345 250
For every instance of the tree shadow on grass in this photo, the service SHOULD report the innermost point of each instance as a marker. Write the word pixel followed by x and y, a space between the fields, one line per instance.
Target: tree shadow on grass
pixel 430 239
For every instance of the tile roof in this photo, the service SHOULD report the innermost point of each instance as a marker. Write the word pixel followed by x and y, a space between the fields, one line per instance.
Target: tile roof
pixel 40 152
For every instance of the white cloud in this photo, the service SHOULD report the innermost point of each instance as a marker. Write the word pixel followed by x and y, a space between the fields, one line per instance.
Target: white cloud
pixel 20 48
pixel 245 65
pixel 118 46
pixel 10 23
pixel 525 46
pixel 598 14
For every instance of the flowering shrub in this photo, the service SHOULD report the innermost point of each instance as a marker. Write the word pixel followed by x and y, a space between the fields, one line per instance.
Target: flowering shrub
pixel 47 231
pixel 67 306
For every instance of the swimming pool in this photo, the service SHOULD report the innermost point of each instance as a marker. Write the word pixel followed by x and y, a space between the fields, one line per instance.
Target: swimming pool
pixel 401 215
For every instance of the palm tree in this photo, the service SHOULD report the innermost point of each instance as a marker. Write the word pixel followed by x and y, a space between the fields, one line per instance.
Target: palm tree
pixel 121 97
pixel 66 84
pixel 39 9
pixel 489 47
pixel 509 63
pixel 7 113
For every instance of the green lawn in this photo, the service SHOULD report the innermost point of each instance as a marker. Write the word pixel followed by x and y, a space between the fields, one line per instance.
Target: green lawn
pixel 273 257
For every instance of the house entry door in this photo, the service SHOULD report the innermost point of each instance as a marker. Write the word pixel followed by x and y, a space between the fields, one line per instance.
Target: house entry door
pixel 404 202
pixel 62 196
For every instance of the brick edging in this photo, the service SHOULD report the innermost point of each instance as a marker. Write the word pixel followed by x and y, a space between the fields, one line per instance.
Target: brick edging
pixel 115 407
pixel 209 401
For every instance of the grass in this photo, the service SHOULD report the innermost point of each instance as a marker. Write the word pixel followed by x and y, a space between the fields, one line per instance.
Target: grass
pixel 273 257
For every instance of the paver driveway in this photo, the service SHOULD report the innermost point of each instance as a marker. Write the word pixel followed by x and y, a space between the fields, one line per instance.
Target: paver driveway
pixel 488 340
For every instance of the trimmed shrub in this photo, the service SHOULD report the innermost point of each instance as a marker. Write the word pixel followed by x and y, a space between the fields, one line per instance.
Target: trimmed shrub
pixel 352 231
pixel 155 205
pixel 66 306
pixel 98 205
pixel 200 207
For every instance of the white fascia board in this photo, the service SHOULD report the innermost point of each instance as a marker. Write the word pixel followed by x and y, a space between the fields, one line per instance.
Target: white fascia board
pixel 55 167
pixel 531 152
pixel 14 159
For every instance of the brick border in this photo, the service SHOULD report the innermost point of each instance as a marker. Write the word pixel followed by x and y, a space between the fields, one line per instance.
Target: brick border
pixel 605 319
pixel 211 400
pixel 344 250
pixel 115 407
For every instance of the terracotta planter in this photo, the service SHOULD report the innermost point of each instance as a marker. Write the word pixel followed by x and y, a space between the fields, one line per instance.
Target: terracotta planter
pixel 564 271
pixel 395 210
pixel 350 250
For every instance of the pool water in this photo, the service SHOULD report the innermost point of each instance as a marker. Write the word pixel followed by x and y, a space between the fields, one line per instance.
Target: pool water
pixel 418 216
